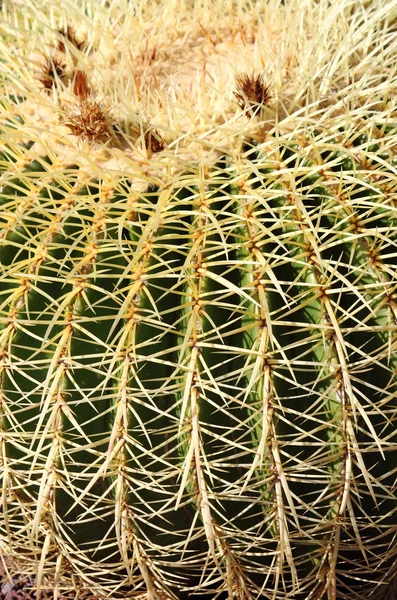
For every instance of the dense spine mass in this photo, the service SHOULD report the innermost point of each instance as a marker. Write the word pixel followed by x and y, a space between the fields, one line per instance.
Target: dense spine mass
pixel 198 354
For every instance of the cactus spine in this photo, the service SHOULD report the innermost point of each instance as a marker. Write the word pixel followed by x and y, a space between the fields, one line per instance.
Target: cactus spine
pixel 198 319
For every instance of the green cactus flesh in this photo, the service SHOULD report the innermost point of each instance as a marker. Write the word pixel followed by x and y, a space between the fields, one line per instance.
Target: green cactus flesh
pixel 198 367
pixel 199 381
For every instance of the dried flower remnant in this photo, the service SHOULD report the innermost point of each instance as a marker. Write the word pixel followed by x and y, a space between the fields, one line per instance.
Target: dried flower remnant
pixel 68 33
pixel 89 121
pixel 81 89
pixel 252 92
pixel 53 68
pixel 153 140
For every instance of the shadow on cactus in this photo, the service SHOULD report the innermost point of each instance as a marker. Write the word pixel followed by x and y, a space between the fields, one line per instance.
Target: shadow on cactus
pixel 198 334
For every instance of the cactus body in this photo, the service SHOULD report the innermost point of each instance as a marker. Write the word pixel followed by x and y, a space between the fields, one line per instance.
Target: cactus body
pixel 198 359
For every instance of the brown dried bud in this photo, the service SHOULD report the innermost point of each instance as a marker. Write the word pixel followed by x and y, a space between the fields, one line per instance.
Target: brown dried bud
pixel 252 92
pixel 81 89
pixel 89 121
pixel 153 140
pixel 53 67
pixel 68 33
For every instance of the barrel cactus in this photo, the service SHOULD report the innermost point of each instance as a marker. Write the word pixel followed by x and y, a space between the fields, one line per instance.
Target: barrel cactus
pixel 198 318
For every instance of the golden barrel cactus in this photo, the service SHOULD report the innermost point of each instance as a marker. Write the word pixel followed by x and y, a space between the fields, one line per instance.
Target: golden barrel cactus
pixel 198 318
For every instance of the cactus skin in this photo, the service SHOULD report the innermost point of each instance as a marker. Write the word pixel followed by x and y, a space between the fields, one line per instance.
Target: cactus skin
pixel 198 374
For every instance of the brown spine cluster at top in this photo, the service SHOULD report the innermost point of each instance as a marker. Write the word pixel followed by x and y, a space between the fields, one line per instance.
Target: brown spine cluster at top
pixel 252 92
pixel 89 121
pixel 69 34
pixel 52 68
pixel 85 117
pixel 81 89
pixel 153 140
